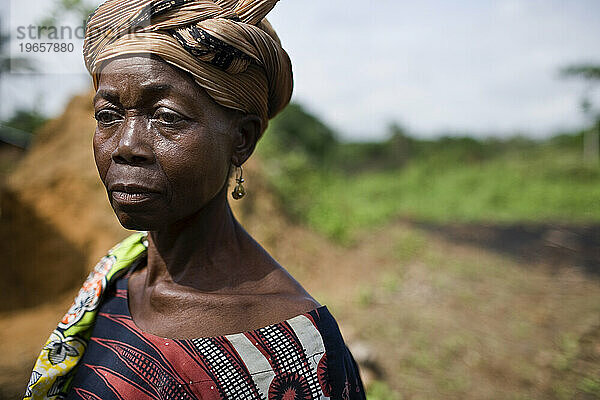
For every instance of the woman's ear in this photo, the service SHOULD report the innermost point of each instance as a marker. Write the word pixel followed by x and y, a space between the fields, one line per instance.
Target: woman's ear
pixel 247 132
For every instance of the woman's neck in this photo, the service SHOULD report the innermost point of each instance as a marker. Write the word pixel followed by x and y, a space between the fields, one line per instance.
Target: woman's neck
pixel 208 251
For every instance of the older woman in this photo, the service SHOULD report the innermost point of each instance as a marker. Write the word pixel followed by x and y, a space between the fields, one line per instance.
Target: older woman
pixel 195 308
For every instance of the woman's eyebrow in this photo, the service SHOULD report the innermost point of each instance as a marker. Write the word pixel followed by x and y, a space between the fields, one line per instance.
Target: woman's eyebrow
pixel 155 88
pixel 148 91
pixel 106 94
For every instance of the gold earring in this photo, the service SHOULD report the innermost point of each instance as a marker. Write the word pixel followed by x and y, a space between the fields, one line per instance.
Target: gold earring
pixel 238 190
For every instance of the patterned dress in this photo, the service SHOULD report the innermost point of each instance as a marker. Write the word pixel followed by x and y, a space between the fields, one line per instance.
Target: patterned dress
pixel 301 358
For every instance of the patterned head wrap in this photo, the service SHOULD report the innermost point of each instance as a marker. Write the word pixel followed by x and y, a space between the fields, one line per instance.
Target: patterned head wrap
pixel 228 46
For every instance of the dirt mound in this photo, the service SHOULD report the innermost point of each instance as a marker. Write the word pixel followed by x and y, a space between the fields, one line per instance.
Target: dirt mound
pixel 38 261
pixel 55 219
pixel 58 180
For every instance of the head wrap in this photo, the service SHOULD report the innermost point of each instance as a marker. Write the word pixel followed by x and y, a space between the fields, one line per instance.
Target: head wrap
pixel 228 47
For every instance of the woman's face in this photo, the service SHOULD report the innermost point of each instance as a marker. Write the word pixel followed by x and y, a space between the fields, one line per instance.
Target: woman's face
pixel 162 146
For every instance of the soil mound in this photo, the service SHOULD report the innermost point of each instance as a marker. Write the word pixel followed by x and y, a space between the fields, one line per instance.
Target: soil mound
pixel 55 219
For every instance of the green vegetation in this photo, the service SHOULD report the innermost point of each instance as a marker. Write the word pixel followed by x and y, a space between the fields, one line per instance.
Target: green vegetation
pixel 18 131
pixel 381 391
pixel 341 188
pixel 27 121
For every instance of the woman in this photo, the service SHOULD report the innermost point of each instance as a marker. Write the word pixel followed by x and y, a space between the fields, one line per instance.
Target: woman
pixel 195 308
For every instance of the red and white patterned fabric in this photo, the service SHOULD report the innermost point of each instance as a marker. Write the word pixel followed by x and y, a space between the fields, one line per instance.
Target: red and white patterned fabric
pixel 302 358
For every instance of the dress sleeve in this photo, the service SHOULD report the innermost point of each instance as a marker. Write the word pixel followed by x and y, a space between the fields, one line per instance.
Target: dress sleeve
pixel 352 388
pixel 338 371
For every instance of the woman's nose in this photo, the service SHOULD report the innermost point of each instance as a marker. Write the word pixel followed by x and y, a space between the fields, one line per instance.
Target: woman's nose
pixel 134 146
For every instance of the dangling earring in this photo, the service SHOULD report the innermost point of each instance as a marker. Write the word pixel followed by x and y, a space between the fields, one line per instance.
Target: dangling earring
pixel 238 190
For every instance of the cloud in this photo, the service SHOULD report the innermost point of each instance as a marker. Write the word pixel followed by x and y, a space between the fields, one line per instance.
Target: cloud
pixel 487 66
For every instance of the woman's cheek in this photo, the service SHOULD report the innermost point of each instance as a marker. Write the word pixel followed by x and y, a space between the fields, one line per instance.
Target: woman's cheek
pixel 102 155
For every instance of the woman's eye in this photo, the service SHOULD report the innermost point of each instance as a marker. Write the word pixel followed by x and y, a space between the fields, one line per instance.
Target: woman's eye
pixel 107 116
pixel 167 116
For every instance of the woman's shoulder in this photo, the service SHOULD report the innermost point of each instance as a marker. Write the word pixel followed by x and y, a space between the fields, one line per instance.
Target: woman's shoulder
pixel 280 298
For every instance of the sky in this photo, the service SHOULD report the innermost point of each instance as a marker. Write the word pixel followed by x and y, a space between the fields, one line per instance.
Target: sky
pixel 480 67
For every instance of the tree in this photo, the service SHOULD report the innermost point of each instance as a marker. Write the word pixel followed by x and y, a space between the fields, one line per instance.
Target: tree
pixel 27 121
pixel 80 9
pixel 586 71
pixel 295 129
pixel 591 74
pixel 7 64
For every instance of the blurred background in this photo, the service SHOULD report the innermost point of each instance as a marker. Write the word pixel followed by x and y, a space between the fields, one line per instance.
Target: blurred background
pixel 435 182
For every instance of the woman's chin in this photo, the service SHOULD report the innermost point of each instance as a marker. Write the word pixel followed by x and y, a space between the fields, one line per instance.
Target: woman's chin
pixel 137 223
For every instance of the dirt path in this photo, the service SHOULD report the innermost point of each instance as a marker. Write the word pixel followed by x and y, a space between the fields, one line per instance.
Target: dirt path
pixel 453 318
pixel 555 245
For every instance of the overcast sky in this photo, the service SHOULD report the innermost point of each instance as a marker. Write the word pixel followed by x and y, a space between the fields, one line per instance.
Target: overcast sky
pixel 478 66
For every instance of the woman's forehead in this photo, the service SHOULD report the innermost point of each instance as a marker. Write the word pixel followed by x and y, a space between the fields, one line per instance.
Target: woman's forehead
pixel 144 69
pixel 143 76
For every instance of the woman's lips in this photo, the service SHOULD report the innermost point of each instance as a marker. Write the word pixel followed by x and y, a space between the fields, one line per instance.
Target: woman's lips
pixel 132 198
pixel 132 194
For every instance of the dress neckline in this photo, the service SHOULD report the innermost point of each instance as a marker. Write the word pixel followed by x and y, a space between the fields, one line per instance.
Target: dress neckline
pixel 304 318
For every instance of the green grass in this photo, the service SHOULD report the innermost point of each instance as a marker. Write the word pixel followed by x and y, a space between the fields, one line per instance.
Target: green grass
pixel 381 391
pixel 543 184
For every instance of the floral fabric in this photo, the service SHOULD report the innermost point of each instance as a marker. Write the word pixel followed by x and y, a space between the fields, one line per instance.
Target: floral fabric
pixel 58 360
